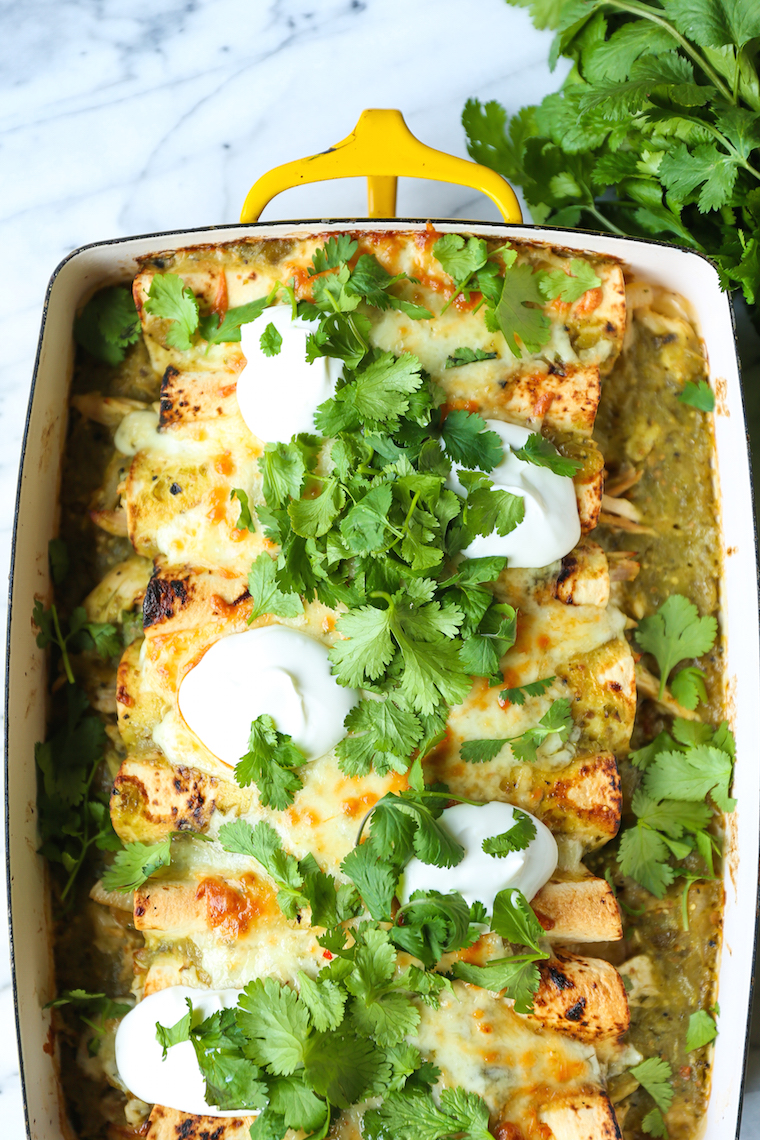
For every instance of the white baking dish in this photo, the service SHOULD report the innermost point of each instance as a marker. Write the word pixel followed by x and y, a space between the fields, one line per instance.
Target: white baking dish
pixel 105 263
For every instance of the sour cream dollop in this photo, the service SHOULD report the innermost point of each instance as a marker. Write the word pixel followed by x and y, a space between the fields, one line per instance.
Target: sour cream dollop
pixel 278 395
pixel 274 670
pixel 551 527
pixel 176 1082
pixel 480 877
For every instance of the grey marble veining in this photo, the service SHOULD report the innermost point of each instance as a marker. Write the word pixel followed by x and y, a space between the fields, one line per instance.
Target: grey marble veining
pixel 121 119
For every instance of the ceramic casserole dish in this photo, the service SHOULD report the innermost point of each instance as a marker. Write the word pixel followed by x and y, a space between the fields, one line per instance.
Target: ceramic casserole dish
pixel 105 263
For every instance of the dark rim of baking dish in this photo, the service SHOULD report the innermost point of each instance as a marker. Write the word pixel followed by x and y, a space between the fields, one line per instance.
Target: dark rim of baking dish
pixel 295 224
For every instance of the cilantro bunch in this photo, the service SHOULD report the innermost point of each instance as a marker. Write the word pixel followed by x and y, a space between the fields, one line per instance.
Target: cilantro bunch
pixel 300 1055
pixel 655 132
pixel 430 925
pixel 672 814
pixel 363 517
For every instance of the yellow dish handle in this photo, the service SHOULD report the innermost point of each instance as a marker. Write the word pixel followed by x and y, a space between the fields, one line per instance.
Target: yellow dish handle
pixel 381 147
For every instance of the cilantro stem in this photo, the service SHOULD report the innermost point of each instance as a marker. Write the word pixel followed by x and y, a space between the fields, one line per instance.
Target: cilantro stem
pixel 405 524
pixel 87 841
pixel 636 9
pixel 61 642
pixel 604 221
pixel 383 594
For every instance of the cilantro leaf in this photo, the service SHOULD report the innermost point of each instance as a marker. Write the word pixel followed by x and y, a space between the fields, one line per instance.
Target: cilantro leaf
pixel 432 924
pixel 268 1125
pixel 517 695
pixel 643 855
pixel 654 1123
pixel 170 299
pixel 675 632
pixel 514 920
pixel 175 1034
pixel 699 395
pixel 227 330
pixel 515 838
pixel 693 775
pixel 557 719
pixel 542 453
pixel 481 751
pixel 108 324
pixel 517 977
pixel 135 864
pixel 463 355
pixel 487 509
pixel 374 879
pixel 271 754
pixel 267 596
pixel 311 518
pixel 300 1107
pixel 324 1000
pixel 381 735
pixel 282 469
pixel 682 171
pixel 379 395
pixel 468 441
pixel 519 314
pixel 371 281
pixel 654 1076
pixel 244 519
pixel 460 257
pixel 90 1004
pixel 271 340
pixel 341 1066
pixel 389 1018
pixel 432 843
pixel 366 648
pixel 275 1023
pixel 688 687
pixel 335 252
pixel 559 285
pixel 702 1030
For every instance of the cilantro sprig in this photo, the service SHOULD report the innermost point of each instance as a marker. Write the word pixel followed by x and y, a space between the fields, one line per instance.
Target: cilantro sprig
pixel 541 453
pixel 556 720
pixel 301 883
pixel 461 356
pixel 515 838
pixel 674 633
pixel 654 1075
pixel 135 864
pixel 514 300
pixel 108 324
pixel 654 133
pixel 88 1007
pixel 517 695
pixel 81 635
pixel 269 764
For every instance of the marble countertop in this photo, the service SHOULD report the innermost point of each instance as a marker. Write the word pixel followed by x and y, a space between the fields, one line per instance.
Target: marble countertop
pixel 124 119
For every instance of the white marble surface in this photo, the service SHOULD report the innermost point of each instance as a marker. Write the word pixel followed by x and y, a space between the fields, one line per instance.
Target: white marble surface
pixel 124 119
